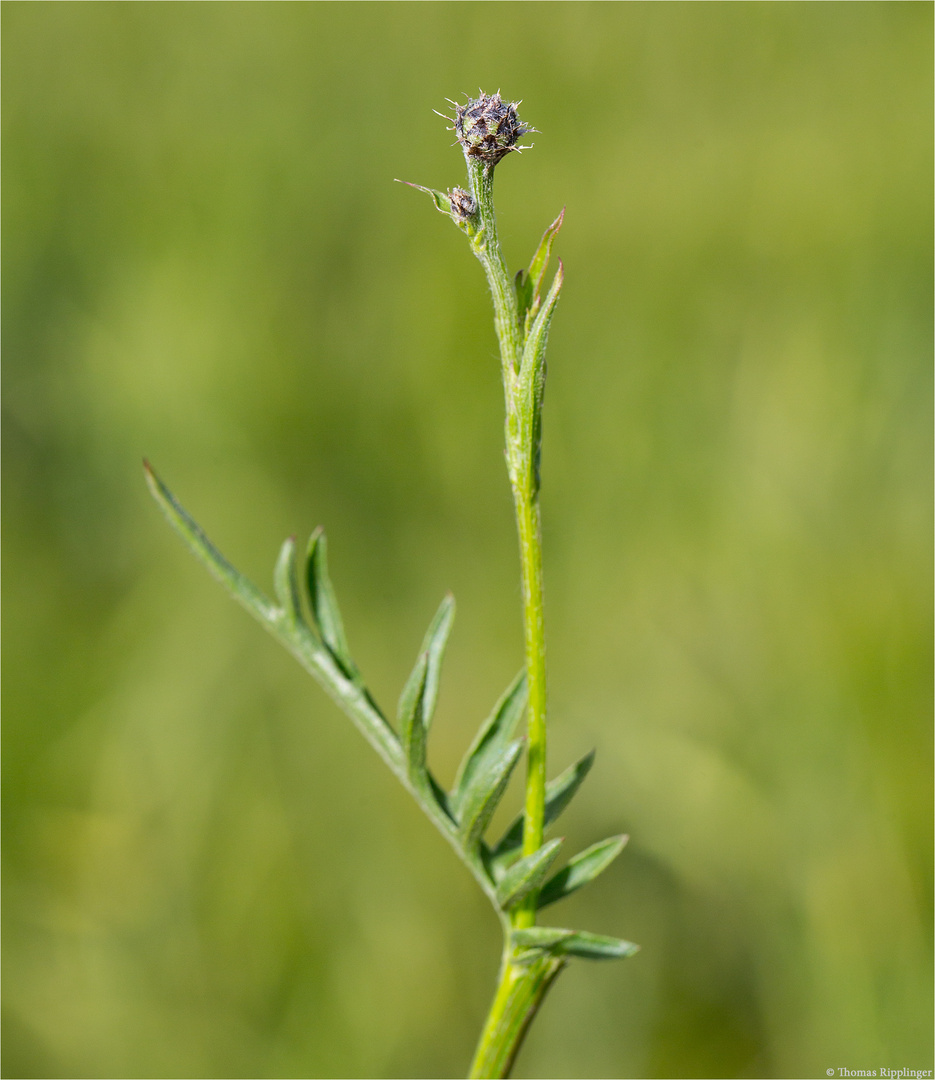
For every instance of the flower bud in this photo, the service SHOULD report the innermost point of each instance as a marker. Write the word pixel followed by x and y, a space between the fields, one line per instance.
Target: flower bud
pixel 488 128
pixel 462 205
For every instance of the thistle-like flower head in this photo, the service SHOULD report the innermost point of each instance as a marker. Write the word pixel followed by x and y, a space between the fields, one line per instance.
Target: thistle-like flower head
pixel 488 128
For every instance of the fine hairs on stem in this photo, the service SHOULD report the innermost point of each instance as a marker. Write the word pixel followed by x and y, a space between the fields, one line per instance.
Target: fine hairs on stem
pixel 516 872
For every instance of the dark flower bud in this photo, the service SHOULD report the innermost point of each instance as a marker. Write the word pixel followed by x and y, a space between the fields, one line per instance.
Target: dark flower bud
pixel 488 128
pixel 462 205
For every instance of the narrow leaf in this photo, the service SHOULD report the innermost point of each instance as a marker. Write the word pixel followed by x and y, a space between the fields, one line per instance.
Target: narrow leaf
pixel 323 602
pixel 441 199
pixel 537 324
pixel 584 867
pixel 485 791
pixel 532 370
pixel 558 794
pixel 411 723
pixel 598 946
pixel 541 937
pixel 286 583
pixel 417 701
pixel 573 943
pixel 493 735
pixel 560 791
pixel 526 875
pixel 433 646
pixel 540 260
pixel 240 587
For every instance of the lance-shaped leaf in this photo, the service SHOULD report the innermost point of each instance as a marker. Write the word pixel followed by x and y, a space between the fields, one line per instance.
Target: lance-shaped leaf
pixel 561 942
pixel 484 792
pixel 540 262
pixel 537 333
pixel 584 867
pixel 285 582
pixel 540 937
pixel 598 946
pixel 531 379
pixel 441 199
pixel 492 737
pixel 433 645
pixel 527 874
pixel 412 733
pixel 241 588
pixel 324 604
pixel 417 701
pixel 558 794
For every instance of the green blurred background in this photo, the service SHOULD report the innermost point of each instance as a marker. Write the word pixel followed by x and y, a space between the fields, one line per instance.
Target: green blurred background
pixel 207 872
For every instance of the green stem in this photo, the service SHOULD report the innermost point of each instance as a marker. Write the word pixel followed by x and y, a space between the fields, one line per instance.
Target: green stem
pixel 522 987
pixel 530 545
pixel 486 244
pixel 520 408
pixel 519 995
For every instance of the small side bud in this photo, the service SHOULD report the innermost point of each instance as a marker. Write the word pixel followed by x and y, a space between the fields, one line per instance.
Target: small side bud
pixel 489 128
pixel 463 206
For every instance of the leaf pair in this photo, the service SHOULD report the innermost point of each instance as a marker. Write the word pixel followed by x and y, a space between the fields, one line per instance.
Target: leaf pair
pixel 558 794
pixel 528 283
pixel 322 601
pixel 528 874
pixel 535 317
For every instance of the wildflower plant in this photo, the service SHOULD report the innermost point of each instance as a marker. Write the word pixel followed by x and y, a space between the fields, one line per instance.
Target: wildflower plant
pixel 516 872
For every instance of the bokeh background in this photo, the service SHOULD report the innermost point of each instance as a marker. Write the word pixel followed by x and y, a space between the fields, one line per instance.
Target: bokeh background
pixel 207 871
